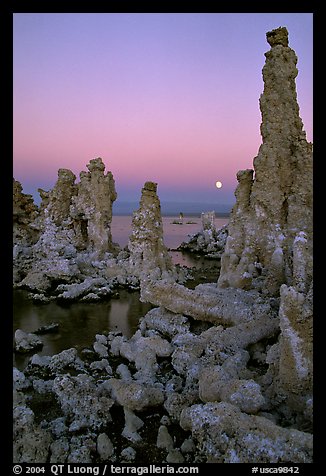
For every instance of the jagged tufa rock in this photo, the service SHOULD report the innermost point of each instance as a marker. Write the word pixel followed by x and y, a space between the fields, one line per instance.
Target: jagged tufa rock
pixel 56 202
pixel 148 254
pixel 24 213
pixel 273 201
pixel 209 241
pixel 91 207
pixel 74 219
pixel 269 246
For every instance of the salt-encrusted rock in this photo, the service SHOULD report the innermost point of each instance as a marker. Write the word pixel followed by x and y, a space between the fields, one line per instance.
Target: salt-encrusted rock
pixel 164 439
pixel 58 427
pixel 290 360
pixel 56 203
pixel 143 351
pixel 124 373
pixel 31 444
pixel 245 394
pixel 174 456
pixel 101 365
pixel 40 360
pixel 25 231
pixel 211 383
pixel 132 424
pixel 188 446
pixel 148 254
pixel 209 241
pixel 20 382
pixel 24 213
pixel 91 208
pixel 270 229
pixel 165 322
pixel 104 447
pixel 115 344
pixel 100 349
pixel 78 290
pixel 42 386
pixel 65 358
pixel 48 329
pixel 25 342
pixel 59 450
pixel 49 260
pixel 176 402
pixel 136 396
pixel 80 455
pixel 82 401
pixel 276 205
pixel 226 435
pixel 73 220
pixel 207 302
pixel 128 454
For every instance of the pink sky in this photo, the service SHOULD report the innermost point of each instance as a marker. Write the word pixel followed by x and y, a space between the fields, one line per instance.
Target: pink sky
pixel 172 98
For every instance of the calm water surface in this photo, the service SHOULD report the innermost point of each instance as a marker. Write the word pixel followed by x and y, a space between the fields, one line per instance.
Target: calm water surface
pixel 79 322
pixel 174 234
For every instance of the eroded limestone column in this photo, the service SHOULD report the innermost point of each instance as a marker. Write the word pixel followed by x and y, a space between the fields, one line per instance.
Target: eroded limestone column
pixel 274 200
pixel 148 254
pixel 91 208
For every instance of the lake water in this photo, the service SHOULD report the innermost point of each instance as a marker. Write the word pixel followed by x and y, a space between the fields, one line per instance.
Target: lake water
pixel 174 234
pixel 79 322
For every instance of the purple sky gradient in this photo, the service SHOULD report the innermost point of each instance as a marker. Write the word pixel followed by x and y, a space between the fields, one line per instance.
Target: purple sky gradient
pixel 172 98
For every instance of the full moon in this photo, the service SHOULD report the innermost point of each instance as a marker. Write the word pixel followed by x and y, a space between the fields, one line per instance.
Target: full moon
pixel 218 184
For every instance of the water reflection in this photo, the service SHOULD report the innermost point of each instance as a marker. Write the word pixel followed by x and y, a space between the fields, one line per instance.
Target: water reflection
pixel 78 322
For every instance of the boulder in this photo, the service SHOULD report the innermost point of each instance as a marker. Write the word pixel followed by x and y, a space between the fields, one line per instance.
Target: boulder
pixel 26 342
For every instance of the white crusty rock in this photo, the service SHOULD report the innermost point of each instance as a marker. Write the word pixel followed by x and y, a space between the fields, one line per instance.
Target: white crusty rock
pixel 174 456
pixel 91 208
pixel 270 229
pixel 82 401
pixel 20 382
pixel 25 233
pixel 164 439
pixel 148 254
pixel 136 396
pixel 25 211
pixel 207 302
pixel 132 424
pixel 101 365
pixel 128 454
pixel 78 290
pixel 290 359
pixel 104 447
pixel 245 394
pixel 59 450
pixel 274 206
pixel 144 352
pixel 226 435
pixel 31 443
pixel 165 322
pixel 209 241
pixel 73 225
pixel 26 342
pixel 65 358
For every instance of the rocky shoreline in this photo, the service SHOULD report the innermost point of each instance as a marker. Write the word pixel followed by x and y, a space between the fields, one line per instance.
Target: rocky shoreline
pixel 221 373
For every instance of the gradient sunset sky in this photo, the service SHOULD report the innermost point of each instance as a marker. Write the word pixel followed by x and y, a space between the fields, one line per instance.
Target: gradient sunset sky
pixel 167 97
